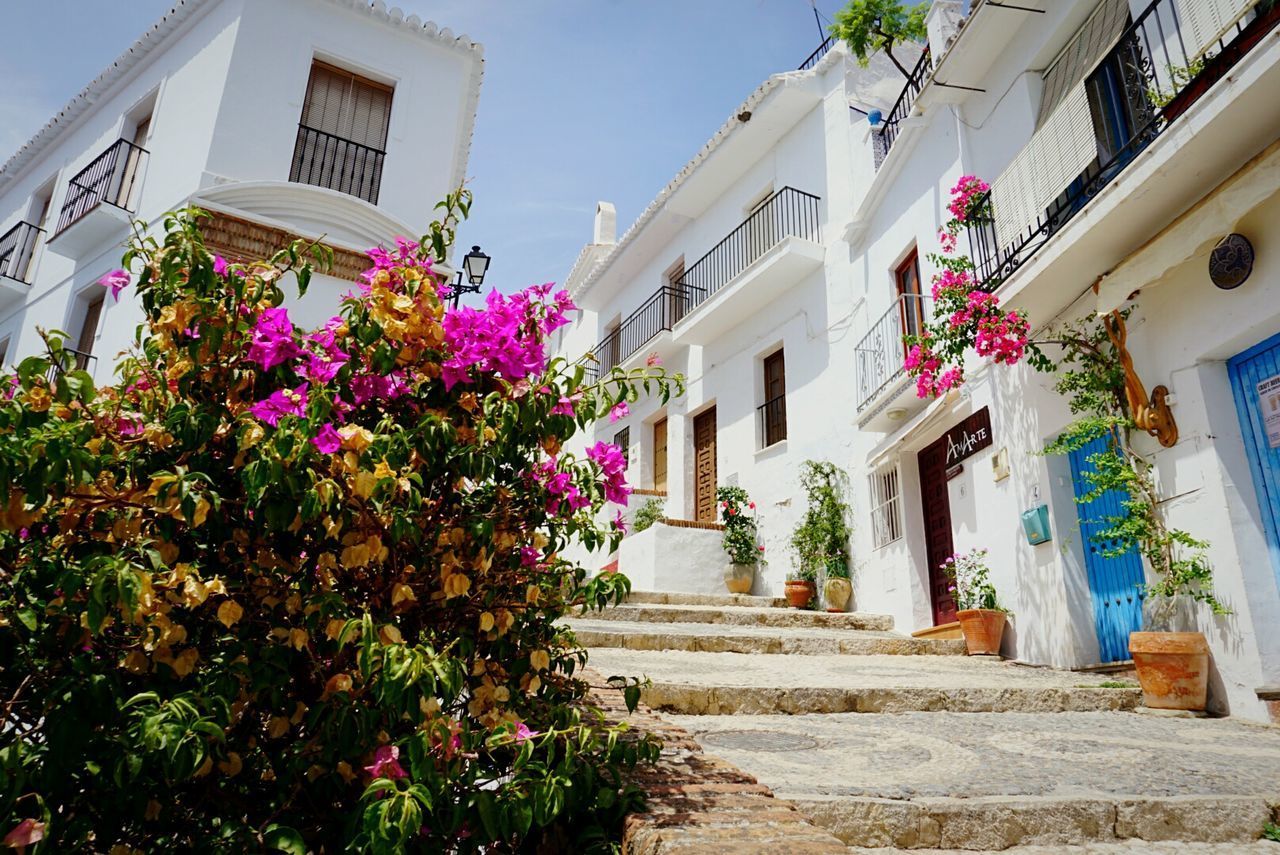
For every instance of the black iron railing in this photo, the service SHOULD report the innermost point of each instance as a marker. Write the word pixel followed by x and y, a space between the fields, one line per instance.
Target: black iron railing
pixel 881 352
pixel 773 420
pixel 71 360
pixel 901 109
pixel 1152 59
pixel 17 249
pixel 325 160
pixel 111 179
pixel 817 55
pixel 787 213
pixel 662 311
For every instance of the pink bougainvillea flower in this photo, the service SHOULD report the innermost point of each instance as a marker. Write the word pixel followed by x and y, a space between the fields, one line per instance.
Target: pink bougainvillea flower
pixel 566 405
pixel 611 460
pixel 115 281
pixel 220 265
pixel 386 763
pixel 327 440
pixel 281 403
pixel 620 522
pixel 620 411
pixel 26 833
pixel 653 361
pixel 523 732
pixel 14 385
pixel 273 342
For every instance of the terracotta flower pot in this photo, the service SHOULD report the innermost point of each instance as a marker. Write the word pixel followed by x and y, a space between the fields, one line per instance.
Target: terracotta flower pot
pixel 739 578
pixel 836 592
pixel 799 593
pixel 983 629
pixel 1173 668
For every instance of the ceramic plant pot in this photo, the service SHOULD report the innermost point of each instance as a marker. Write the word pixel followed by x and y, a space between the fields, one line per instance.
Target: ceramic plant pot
pixel 1173 668
pixel 799 593
pixel 739 578
pixel 983 629
pixel 836 593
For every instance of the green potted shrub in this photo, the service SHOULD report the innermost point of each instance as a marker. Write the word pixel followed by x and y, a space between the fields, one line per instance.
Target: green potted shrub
pixel 982 618
pixel 821 541
pixel 737 513
pixel 648 515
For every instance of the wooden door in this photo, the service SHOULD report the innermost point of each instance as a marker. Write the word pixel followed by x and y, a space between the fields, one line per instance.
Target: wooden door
pixel 911 303
pixel 704 466
pixel 660 455
pixel 1255 384
pixel 937 528
pixel 775 399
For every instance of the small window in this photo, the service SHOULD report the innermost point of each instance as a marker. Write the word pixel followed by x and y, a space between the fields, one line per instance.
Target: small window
pixel 622 439
pixel 677 302
pixel 89 329
pixel 660 455
pixel 773 412
pixel 4 352
pixel 342 136
pixel 886 517
pixel 910 298
pixel 609 351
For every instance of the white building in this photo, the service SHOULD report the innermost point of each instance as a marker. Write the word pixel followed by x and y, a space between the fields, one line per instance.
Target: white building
pixel 338 119
pixel 780 268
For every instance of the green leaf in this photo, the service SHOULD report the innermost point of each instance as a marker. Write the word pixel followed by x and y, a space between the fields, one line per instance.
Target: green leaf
pixel 282 838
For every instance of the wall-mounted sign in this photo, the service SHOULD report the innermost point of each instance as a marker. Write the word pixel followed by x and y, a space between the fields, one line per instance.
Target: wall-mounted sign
pixel 1269 401
pixel 969 437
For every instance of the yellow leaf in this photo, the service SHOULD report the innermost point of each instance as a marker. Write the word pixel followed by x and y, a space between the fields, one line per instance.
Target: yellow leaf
pixel 229 612
pixel 136 662
pixel 402 593
pixel 364 483
pixel 389 634
pixel 501 694
pixel 355 437
pixel 194 591
pixel 185 662
pixel 299 710
pixel 251 436
pixel 338 683
pixel 298 638
pixel 535 683
pixel 532 595
pixel 334 628
pixel 277 727
pixel 205 768
pixel 382 470
pixel 540 660
pixel 152 811
pixel 232 765
pixel 486 622
pixel 344 769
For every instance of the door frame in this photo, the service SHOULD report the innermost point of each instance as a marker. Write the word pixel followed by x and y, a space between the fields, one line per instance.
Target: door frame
pixel 1270 519
pixel 933 575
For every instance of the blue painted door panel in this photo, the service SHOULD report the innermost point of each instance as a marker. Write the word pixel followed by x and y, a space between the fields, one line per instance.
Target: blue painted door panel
pixel 1113 580
pixel 1247 370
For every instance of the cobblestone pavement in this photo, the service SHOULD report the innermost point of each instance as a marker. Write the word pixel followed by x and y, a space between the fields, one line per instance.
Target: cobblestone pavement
pixel 967 755
pixel 1128 847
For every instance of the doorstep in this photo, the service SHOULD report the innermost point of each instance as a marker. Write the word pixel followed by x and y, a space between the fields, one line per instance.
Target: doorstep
pixel 942 630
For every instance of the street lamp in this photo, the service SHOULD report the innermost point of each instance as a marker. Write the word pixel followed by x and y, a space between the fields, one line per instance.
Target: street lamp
pixel 475 263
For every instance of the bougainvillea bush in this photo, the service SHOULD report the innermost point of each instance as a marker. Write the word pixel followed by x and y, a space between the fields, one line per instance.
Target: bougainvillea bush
pixel 297 590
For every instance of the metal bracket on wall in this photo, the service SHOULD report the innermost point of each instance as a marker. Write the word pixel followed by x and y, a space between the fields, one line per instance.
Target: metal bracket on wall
pixel 1154 415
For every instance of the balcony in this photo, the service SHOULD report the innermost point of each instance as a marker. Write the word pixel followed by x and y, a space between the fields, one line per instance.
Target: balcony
pixel 70 360
pixel 817 55
pixel 772 416
pixel 884 393
pixel 17 252
pixel 754 265
pixel 648 328
pixel 101 199
pixel 1163 74
pixel 325 160
pixel 888 131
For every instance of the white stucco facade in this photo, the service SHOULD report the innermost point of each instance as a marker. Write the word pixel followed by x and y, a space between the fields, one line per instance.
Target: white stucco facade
pixel 1147 225
pixel 218 87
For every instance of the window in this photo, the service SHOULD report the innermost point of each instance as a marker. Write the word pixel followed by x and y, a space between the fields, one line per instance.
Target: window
pixel 886 517
pixel 760 231
pixel 89 330
pixel 773 413
pixel 660 455
pixel 610 350
pixel 4 351
pixel 678 294
pixel 342 136
pixel 910 299
pixel 622 439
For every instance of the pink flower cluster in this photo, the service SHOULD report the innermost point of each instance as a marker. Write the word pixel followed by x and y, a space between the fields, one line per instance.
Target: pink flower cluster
pixel 611 460
pixel 1002 338
pixel 506 338
pixel 964 195
pixel 564 494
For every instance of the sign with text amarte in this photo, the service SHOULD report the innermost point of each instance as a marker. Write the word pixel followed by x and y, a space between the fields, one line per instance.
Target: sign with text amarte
pixel 969 437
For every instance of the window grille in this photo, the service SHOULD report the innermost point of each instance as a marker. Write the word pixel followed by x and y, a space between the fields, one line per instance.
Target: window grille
pixel 886 513
pixel 622 439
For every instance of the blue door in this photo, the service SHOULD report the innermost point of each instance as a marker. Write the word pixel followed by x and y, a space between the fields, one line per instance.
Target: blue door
pixel 1114 580
pixel 1255 383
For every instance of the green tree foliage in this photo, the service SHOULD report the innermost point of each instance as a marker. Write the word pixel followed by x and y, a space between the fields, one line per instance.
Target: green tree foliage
pixel 649 514
pixel 822 538
pixel 868 26
pixel 299 591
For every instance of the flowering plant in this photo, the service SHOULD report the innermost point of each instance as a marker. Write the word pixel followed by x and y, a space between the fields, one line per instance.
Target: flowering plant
pixel 821 540
pixel 970 584
pixel 965 317
pixel 738 514
pixel 280 589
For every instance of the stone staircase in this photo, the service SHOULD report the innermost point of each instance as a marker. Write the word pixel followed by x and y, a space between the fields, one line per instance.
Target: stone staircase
pixel 897 743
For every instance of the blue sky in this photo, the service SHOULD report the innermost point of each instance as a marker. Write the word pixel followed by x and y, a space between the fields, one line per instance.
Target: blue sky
pixel 582 99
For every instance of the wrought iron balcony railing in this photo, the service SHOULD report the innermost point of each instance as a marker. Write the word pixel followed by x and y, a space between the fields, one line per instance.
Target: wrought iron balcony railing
pixel 817 55
pixel 78 361
pixel 660 312
pixel 787 213
pixel 325 160
pixel 17 249
pixel 1155 56
pixel 892 124
pixel 881 352
pixel 111 179
pixel 773 421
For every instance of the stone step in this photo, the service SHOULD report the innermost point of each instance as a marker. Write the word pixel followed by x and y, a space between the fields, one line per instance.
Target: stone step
pixel 988 781
pixel 736 683
pixel 727 638
pixel 675 598
pixel 1126 847
pixel 743 616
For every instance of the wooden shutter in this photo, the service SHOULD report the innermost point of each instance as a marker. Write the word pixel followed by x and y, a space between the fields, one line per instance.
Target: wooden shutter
pixel 660 455
pixel 347 106
pixel 911 304
pixel 90 327
pixel 704 466
pixel 775 399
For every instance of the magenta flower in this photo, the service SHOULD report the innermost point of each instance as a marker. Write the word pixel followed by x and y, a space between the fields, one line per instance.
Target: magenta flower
pixel 220 266
pixel 620 522
pixel 273 339
pixel 523 732
pixel 281 403
pixel 565 406
pixel 328 440
pixel 25 833
pixel 116 281
pixel 653 361
pixel 610 459
pixel 386 763
pixel 620 411
pixel 14 385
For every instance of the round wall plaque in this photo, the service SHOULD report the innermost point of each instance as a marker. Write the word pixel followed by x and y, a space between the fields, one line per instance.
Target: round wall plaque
pixel 1231 262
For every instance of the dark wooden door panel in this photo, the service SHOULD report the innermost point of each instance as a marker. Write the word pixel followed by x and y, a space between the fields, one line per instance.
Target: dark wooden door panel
pixel 704 466
pixel 937 528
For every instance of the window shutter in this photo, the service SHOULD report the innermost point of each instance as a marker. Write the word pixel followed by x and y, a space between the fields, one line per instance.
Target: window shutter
pixel 347 106
pixel 1205 21
pixel 1086 48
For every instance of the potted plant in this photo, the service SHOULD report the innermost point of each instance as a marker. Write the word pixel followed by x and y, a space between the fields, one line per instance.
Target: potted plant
pixel 801 585
pixel 982 618
pixel 737 513
pixel 821 541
